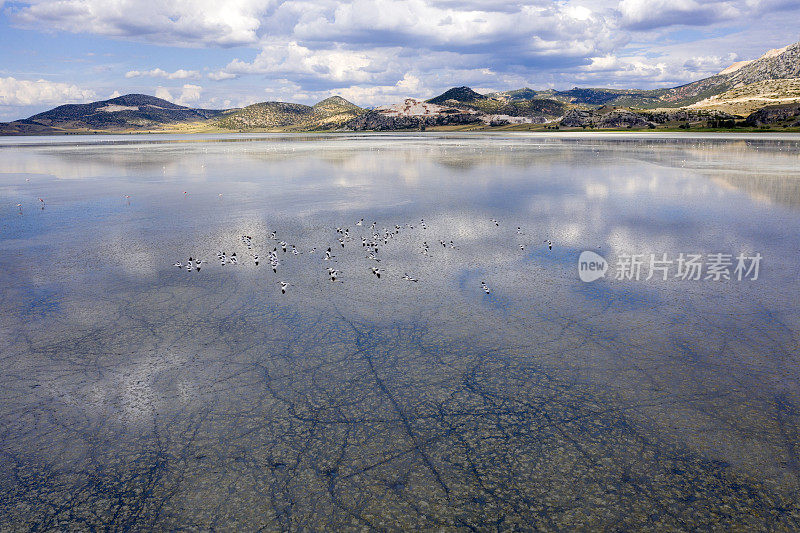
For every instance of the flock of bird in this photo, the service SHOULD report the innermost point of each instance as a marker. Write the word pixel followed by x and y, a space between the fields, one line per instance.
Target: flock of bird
pixel 372 241
pixel 370 244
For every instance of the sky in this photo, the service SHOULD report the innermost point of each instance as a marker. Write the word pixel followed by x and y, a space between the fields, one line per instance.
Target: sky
pixel 221 54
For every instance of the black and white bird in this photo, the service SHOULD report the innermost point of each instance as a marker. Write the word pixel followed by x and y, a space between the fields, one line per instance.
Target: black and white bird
pixel 486 289
pixel 360 222
pixel 377 271
pixel 550 244
pixel 283 287
pixel 409 278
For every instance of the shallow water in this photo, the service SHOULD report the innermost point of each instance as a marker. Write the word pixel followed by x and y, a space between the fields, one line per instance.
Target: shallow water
pixel 140 395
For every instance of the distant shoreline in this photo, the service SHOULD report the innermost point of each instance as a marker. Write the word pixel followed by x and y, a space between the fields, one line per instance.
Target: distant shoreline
pixel 162 136
pixel 553 131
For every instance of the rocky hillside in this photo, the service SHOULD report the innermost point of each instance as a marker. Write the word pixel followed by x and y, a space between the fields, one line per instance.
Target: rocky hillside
pixel 774 65
pixel 746 99
pixel 780 115
pixel 330 113
pixel 608 117
pixel 377 121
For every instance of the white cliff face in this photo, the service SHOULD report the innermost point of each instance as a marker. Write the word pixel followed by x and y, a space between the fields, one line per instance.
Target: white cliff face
pixel 733 68
pixel 411 107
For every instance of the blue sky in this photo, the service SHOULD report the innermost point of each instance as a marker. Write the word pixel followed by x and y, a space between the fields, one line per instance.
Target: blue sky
pixel 207 53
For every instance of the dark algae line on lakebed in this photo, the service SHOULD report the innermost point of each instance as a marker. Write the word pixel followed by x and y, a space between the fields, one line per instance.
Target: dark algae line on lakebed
pixel 138 396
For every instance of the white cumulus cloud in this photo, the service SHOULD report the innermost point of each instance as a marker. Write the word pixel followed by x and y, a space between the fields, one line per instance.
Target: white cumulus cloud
pixel 189 94
pixel 181 22
pixel 179 74
pixel 14 92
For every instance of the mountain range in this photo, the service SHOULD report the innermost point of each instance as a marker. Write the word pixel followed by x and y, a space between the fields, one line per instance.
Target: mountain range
pixel 731 97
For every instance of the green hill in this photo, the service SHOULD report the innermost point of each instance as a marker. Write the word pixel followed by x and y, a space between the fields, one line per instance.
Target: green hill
pixel 129 112
pixel 330 113
pixel 519 103
pixel 458 94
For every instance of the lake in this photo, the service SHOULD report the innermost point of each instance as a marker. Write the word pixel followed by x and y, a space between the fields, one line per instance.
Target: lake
pixel 477 383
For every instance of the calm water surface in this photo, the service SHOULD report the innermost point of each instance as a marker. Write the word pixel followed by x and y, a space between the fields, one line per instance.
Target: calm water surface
pixel 137 395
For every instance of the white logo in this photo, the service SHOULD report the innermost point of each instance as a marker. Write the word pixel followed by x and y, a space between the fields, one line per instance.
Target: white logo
pixel 591 266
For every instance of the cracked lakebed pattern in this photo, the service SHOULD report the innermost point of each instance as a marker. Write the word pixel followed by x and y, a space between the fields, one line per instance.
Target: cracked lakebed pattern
pixel 136 396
